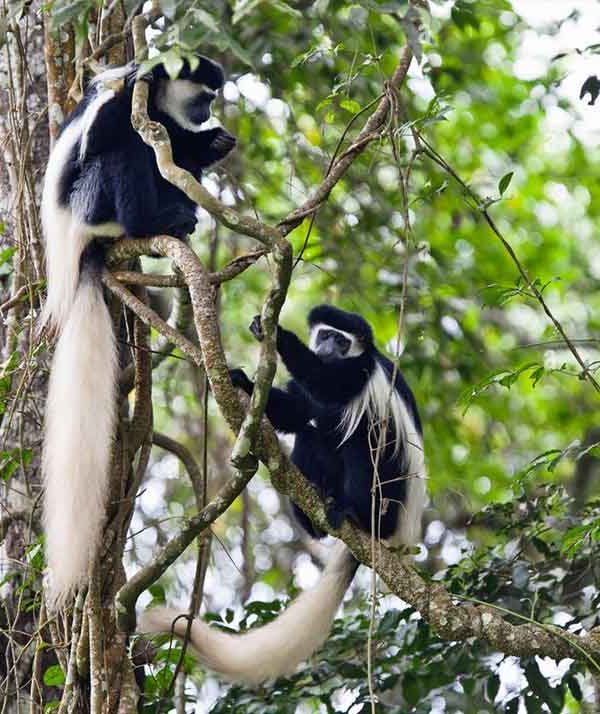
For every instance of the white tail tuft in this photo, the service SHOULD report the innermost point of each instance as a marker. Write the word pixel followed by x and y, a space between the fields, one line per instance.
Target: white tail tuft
pixel 272 650
pixel 80 421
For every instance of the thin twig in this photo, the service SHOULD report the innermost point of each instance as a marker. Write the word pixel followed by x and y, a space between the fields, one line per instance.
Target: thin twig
pixel 368 133
pixel 15 299
pixel 69 693
pixel 185 456
pixel 129 593
pixel 230 271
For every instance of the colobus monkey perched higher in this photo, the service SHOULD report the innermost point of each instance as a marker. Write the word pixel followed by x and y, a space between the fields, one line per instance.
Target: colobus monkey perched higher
pixel 102 180
pixel 340 393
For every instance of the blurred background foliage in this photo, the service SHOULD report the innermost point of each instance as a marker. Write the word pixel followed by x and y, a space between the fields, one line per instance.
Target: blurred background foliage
pixel 511 429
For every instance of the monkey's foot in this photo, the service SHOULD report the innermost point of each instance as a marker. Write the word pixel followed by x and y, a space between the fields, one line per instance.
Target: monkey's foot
pixel 239 379
pixel 335 515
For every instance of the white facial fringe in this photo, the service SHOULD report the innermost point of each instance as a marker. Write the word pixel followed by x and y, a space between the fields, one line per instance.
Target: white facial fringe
pixel 379 400
pixel 355 349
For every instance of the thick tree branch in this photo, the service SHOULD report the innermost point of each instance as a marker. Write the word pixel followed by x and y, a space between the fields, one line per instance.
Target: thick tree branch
pixel 451 619
pixel 149 317
pixel 141 419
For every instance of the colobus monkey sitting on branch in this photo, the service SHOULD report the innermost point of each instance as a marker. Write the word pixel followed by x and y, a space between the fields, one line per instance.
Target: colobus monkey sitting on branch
pixel 340 395
pixel 102 180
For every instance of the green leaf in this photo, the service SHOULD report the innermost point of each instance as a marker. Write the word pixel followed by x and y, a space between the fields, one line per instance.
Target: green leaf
pixel 158 593
pixel 54 676
pixel 285 8
pixel 492 686
pixel 350 105
pixel 349 670
pixel 173 63
pixel 411 688
pixel 384 7
pixel 504 182
pixel 389 623
pixel 206 19
pixel 6 255
pixel 463 15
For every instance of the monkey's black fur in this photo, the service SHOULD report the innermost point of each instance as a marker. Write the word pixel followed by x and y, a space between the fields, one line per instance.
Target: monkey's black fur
pixel 117 180
pixel 318 392
pixel 103 181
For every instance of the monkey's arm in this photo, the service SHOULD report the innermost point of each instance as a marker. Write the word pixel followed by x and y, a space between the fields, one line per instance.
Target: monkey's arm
pixel 337 382
pixel 288 411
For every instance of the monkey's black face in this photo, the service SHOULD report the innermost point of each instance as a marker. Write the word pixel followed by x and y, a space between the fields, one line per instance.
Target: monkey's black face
pixel 197 108
pixel 331 345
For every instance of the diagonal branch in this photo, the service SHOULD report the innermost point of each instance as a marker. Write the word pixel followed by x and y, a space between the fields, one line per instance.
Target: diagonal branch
pixel 450 619
pixel 370 132
pixel 127 596
pixel 482 207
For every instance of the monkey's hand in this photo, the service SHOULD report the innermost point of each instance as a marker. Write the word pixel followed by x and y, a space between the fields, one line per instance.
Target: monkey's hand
pixel 240 380
pixel 334 513
pixel 222 143
pixel 182 229
pixel 256 328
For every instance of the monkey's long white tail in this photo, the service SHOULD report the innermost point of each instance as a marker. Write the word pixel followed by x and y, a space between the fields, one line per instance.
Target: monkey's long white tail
pixel 274 649
pixel 80 421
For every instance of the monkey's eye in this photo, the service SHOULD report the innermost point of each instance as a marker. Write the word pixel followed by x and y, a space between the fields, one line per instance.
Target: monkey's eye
pixel 343 343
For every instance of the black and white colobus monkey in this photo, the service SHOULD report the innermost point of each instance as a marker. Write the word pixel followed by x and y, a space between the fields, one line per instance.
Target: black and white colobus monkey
pixel 340 392
pixel 102 180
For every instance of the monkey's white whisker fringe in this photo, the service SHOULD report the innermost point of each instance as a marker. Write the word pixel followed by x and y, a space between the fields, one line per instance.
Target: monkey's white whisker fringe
pixel 379 401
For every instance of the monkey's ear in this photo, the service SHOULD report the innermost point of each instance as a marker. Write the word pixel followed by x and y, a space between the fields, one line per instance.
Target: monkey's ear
pixel 256 328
